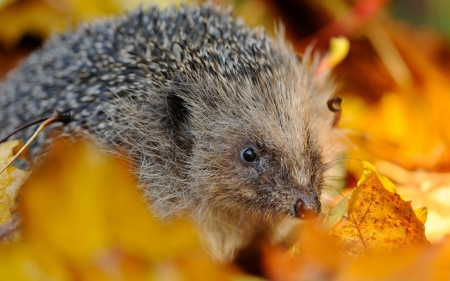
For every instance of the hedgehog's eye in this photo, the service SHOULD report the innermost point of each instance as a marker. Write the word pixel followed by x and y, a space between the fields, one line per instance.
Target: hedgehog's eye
pixel 249 155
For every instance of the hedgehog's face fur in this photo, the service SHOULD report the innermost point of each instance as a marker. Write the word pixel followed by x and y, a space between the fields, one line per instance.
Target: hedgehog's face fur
pixel 256 141
pixel 252 173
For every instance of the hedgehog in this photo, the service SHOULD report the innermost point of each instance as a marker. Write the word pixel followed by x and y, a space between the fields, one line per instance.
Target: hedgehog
pixel 220 122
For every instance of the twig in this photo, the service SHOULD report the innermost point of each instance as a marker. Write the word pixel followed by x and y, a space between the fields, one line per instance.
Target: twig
pixel 55 117
pixel 65 118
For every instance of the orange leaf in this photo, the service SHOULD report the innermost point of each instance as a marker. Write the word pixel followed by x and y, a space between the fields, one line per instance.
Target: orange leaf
pixel 377 219
pixel 10 180
pixel 84 219
pixel 412 263
pixel 316 257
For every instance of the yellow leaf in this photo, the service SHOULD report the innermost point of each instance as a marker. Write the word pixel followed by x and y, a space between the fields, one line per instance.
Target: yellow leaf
pixel 30 17
pixel 317 256
pixel 412 263
pixel 424 188
pixel 132 4
pixel 84 219
pixel 339 47
pixel 90 9
pixel 422 214
pixel 95 198
pixel 43 18
pixel 368 170
pixel 10 180
pixel 378 220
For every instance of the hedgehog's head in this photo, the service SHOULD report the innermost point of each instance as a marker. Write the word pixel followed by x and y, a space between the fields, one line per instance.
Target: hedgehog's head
pixel 256 135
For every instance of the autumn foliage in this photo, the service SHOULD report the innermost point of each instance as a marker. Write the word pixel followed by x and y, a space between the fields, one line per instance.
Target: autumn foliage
pixel 80 216
pixel 83 218
pixel 376 219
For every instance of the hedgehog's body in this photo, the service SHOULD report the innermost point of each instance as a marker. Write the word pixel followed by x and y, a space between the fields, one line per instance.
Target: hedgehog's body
pixel 221 123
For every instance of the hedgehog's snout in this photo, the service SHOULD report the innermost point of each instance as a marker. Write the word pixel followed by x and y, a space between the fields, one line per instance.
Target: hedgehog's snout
pixel 307 206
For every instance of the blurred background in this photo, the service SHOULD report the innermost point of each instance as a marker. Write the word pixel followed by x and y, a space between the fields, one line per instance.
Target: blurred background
pixel 394 81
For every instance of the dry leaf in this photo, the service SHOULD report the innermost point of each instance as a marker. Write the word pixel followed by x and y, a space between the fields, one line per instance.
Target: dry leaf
pixel 84 219
pixel 320 258
pixel 316 257
pixel 377 219
pixel 424 189
pixel 431 263
pixel 380 230
pixel 28 17
pixel 41 18
pixel 407 123
pixel 10 180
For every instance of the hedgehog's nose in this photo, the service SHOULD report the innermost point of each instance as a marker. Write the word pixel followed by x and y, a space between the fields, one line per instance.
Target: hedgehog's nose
pixel 307 206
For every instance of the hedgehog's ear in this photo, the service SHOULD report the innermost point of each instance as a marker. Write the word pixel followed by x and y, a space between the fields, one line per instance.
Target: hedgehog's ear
pixel 177 115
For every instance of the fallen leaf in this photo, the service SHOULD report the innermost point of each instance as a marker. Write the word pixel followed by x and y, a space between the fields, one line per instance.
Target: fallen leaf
pixel 377 219
pixel 41 18
pixel 28 17
pixel 382 233
pixel 314 257
pixel 424 188
pixel 339 47
pixel 418 263
pixel 84 219
pixel 320 257
pixel 10 180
